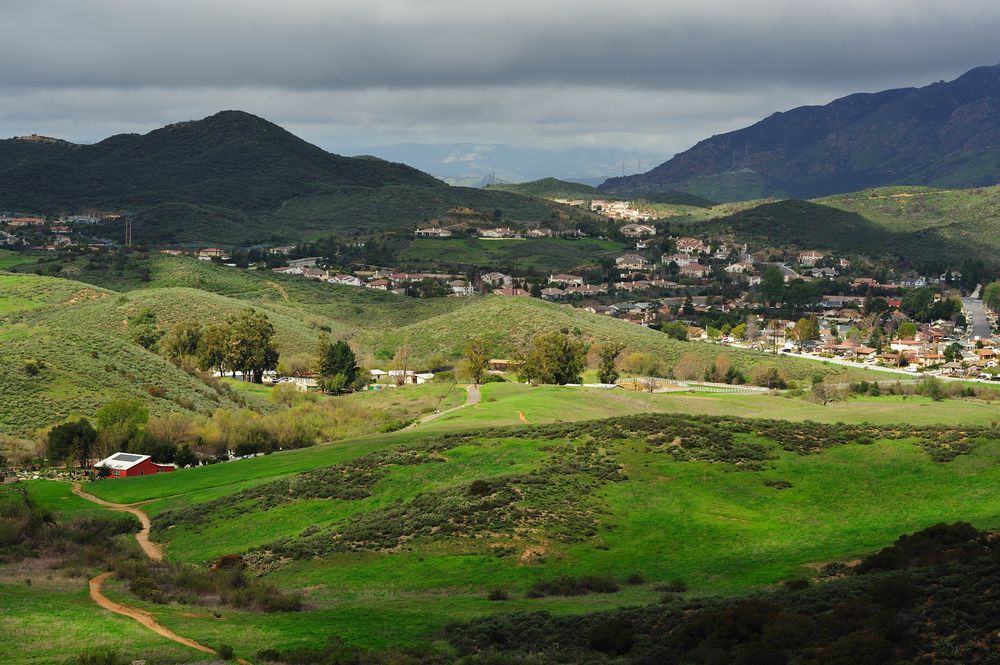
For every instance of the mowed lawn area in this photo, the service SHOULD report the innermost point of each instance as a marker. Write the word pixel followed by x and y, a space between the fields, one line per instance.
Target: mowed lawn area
pixel 544 254
pixel 718 529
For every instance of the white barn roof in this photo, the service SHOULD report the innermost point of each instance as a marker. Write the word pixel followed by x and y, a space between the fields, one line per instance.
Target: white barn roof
pixel 122 461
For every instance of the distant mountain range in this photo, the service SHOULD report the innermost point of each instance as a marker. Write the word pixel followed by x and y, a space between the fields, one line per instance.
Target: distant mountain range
pixel 946 135
pixel 235 178
pixel 480 164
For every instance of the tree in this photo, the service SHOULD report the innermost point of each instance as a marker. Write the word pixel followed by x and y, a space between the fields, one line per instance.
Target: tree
pixel 676 329
pixel 805 330
pixel 607 372
pixel 336 359
pixel 772 286
pixel 74 439
pixel 477 359
pixel 555 358
pixel 250 349
pixel 142 328
pixel 121 422
pixel 182 341
pixel 991 296
pixel 953 352
pixel 917 303
pixel 906 330
pixel 212 348
pixel 739 331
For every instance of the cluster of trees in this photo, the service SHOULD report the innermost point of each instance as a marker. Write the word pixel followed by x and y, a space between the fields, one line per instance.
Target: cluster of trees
pixel 923 306
pixel 244 343
pixel 120 425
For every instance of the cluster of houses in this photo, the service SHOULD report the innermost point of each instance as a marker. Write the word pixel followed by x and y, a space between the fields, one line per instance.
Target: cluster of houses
pixel 935 348
pixel 41 234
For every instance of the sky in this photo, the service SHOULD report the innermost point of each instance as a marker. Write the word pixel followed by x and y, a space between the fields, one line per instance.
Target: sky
pixel 647 77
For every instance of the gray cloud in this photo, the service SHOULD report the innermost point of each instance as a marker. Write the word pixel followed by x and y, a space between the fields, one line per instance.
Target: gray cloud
pixel 645 75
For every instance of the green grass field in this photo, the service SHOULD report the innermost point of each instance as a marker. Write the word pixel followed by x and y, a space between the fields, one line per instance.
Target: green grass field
pixel 9 259
pixel 665 521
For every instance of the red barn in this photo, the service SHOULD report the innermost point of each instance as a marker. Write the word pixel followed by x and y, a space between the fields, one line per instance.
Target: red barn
pixel 127 465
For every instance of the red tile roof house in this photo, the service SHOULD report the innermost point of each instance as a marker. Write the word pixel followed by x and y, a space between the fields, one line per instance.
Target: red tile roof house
pixel 127 465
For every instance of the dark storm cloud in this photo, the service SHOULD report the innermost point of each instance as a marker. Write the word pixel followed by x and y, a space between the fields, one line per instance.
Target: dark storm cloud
pixel 648 74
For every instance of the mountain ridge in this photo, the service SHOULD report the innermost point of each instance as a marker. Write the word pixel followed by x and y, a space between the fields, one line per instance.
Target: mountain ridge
pixel 944 134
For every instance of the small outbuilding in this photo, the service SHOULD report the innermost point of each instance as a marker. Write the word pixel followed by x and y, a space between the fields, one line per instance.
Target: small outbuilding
pixel 128 465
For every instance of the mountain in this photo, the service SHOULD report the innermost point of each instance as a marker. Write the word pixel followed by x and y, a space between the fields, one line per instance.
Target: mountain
pixel 946 134
pixel 234 178
pixel 230 159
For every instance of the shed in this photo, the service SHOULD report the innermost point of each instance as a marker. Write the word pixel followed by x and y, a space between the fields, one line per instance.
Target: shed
pixel 128 465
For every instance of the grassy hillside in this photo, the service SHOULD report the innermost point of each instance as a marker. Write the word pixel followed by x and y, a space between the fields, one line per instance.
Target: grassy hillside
pixel 394 537
pixel 541 254
pixel 956 222
pixel 359 210
pixel 510 324
pixel 550 188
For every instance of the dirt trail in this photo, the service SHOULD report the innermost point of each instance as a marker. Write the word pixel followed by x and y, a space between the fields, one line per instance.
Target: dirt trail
pixel 522 417
pixel 281 290
pixel 154 552
pixel 142 616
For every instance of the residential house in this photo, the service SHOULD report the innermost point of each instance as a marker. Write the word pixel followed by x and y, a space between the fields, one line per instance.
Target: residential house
pixel 587 289
pixel 209 253
pixel 379 284
pixel 460 287
pixel 695 270
pixel 566 280
pixel 638 230
pixel 313 273
pixel 345 279
pixel 498 232
pixel 810 258
pixel 540 233
pixel 510 291
pixel 740 268
pixel 433 233
pixel 552 293
pixel 680 259
pixel 691 246
pixel 497 279
pixel 632 262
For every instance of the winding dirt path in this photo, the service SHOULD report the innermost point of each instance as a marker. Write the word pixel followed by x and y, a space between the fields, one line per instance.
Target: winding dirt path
pixel 142 616
pixel 281 290
pixel 522 417
pixel 155 552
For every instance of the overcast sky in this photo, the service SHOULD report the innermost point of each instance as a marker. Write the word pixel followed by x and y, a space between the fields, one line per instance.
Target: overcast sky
pixel 651 76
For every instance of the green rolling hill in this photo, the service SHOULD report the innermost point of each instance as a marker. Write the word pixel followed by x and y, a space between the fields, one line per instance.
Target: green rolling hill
pixel 235 178
pixel 78 328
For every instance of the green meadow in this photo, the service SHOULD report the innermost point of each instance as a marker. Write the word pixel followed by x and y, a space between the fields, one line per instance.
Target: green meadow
pixel 660 516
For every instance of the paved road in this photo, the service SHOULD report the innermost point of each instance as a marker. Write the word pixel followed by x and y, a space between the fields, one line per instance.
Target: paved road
pixel 980 322
pixel 473 397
